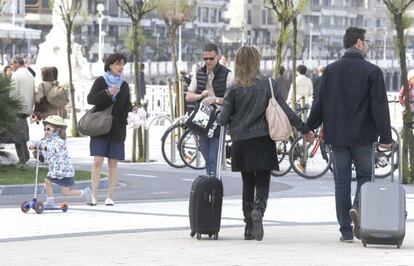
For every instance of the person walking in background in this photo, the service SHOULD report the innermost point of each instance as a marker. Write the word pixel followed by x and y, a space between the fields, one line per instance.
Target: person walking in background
pixel 225 61
pixel 7 71
pixel 60 168
pixel 208 87
pixel 49 81
pixel 352 105
pixel 317 81
pixel 410 78
pixel 253 151
pixel 304 87
pixel 110 89
pixel 283 83
pixel 23 84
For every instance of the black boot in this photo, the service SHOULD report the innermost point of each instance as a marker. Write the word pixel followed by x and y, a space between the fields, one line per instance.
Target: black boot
pixel 257 217
pixel 247 209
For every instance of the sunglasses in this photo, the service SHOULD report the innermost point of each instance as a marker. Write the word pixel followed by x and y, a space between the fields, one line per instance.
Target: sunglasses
pixel 48 129
pixel 208 58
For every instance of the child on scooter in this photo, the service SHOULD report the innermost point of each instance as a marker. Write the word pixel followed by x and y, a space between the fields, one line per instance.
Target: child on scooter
pixel 60 168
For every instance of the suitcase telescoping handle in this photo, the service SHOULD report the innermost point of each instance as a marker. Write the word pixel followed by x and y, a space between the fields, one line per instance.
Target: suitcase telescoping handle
pixel 394 150
pixel 222 136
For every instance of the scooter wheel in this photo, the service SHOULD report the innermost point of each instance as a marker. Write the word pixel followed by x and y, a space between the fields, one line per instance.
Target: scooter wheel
pixel 64 206
pixel 25 207
pixel 38 207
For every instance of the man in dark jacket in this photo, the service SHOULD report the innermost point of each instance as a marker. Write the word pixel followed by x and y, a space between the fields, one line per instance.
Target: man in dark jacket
pixel 352 105
pixel 208 86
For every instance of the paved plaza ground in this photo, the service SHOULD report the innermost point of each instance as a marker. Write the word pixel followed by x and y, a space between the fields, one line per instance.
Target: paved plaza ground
pixel 300 229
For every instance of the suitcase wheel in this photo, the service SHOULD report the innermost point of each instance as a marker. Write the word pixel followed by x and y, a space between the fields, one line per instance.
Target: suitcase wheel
pixel 215 236
pixel 198 236
pixel 364 243
pixel 210 235
pixel 192 233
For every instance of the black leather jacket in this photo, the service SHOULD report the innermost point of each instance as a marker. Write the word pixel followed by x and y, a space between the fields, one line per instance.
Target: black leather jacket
pixel 244 110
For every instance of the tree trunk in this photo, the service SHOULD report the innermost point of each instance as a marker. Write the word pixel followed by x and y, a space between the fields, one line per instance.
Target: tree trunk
pixel 74 127
pixel 171 43
pixel 137 132
pixel 407 148
pixel 279 47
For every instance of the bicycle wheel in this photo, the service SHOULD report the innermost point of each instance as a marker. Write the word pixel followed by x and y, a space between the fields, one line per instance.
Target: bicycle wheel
pixel 190 153
pixel 169 145
pixel 282 151
pixel 310 160
pixel 383 158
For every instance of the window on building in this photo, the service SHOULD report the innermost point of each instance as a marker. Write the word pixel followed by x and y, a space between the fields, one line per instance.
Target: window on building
pixel 213 18
pixel 326 20
pixel 367 23
pixel 205 14
pixel 379 23
pixel 112 9
pixel 249 1
pixel 264 13
pixel 270 19
pixel 34 3
pixel 338 21
pixel 220 18
pixel 327 2
pixel 198 13
pixel 312 19
pixel 315 2
pixel 112 31
pixel 249 17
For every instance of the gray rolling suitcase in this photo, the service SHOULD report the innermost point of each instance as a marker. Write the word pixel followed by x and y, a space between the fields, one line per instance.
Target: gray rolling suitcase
pixel 382 209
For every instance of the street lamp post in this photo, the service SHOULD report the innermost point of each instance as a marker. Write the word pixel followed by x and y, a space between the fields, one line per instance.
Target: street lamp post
pixel 100 8
pixel 310 41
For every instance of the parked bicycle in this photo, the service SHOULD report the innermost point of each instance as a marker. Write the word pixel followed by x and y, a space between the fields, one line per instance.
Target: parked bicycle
pixel 315 160
pixel 180 147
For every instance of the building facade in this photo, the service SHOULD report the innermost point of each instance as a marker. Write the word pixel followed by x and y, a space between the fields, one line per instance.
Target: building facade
pixel 228 23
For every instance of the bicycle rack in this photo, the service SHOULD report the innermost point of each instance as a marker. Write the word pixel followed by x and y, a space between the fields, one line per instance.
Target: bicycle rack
pixel 153 120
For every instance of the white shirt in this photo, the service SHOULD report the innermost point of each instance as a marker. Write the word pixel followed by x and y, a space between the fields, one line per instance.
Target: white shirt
pixel 304 87
pixel 23 83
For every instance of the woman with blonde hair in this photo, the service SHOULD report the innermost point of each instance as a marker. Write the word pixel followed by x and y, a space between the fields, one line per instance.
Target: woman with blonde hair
pixel 253 151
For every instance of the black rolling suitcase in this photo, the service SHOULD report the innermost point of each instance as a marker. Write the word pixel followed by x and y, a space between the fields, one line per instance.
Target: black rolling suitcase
pixel 206 199
pixel 383 209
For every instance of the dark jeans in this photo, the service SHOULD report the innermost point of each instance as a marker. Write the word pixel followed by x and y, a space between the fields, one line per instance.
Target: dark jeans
pixel 343 157
pixel 209 150
pixel 259 181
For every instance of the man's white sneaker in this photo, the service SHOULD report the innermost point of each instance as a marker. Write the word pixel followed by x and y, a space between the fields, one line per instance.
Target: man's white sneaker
pixel 109 202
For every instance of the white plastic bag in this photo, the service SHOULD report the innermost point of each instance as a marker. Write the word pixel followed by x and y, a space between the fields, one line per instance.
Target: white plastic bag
pixel 137 119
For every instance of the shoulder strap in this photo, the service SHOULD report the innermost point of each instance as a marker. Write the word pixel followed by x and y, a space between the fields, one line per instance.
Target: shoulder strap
pixel 271 88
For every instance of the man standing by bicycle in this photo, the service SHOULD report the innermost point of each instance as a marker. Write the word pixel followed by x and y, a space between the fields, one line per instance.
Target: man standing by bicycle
pixel 353 107
pixel 208 86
